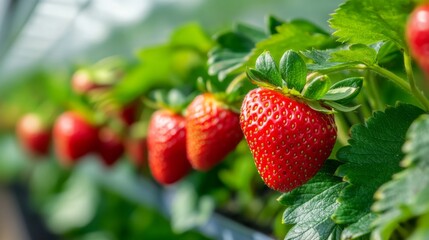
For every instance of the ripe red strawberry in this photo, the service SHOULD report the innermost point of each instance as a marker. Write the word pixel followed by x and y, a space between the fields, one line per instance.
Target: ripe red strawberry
pixel 289 140
pixel 167 147
pixel 418 35
pixel 74 137
pixel 212 130
pixel 33 135
pixel 110 146
pixel 137 151
pixel 128 114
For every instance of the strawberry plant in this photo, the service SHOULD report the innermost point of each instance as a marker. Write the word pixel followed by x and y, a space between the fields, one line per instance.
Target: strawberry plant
pixel 352 196
pixel 334 122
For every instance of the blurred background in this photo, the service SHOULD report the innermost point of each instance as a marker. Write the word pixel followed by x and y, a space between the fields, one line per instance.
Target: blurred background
pixel 42 42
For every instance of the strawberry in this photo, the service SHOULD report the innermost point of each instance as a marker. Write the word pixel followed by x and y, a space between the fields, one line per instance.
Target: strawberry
pixel 33 135
pixel 288 121
pixel 167 147
pixel 289 140
pixel 74 137
pixel 417 34
pixel 137 151
pixel 110 146
pixel 212 130
pixel 129 113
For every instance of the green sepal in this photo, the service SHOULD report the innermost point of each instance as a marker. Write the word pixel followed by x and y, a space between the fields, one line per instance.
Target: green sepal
pixel 340 107
pixel 315 105
pixel 317 88
pixel 258 78
pixel 344 90
pixel 293 70
pixel 266 65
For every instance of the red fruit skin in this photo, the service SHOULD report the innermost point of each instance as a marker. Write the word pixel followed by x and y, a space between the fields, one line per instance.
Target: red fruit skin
pixel 110 146
pixel 212 132
pixel 128 114
pixel 74 137
pixel 167 147
pixel 417 34
pixel 289 140
pixel 33 136
pixel 137 151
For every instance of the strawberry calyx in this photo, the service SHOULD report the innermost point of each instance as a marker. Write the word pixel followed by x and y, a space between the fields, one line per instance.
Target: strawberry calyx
pixel 173 100
pixel 228 97
pixel 292 79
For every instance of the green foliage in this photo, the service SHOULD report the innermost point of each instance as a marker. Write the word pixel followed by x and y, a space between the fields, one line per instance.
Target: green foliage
pixel 175 63
pixel 342 58
pixel 188 209
pixel 291 36
pixel 406 196
pixel 309 207
pixel 370 160
pixel 232 49
pixel 369 21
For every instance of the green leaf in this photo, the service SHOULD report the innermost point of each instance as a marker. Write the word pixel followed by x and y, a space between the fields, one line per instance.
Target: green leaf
pixel 371 159
pixel 191 35
pixel 316 88
pixel 358 53
pixel 289 36
pixel 406 196
pixel 344 90
pixel 266 65
pixel 359 228
pixel 189 210
pixel 321 59
pixel 371 21
pixel 310 206
pixel 422 230
pixel 293 70
pixel 233 49
pixel 273 23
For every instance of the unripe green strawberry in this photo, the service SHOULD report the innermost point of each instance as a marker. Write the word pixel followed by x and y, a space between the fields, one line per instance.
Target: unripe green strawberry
pixel 289 140
pixel 167 147
pixel 213 131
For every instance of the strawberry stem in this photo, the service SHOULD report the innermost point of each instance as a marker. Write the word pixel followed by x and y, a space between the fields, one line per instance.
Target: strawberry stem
pixel 414 90
pixel 343 128
pixel 235 82
pixel 393 77
pixel 371 86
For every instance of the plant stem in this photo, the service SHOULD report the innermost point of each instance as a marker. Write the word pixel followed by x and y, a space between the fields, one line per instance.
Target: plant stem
pixel 372 87
pixel 236 81
pixel 343 128
pixel 393 77
pixel 416 92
